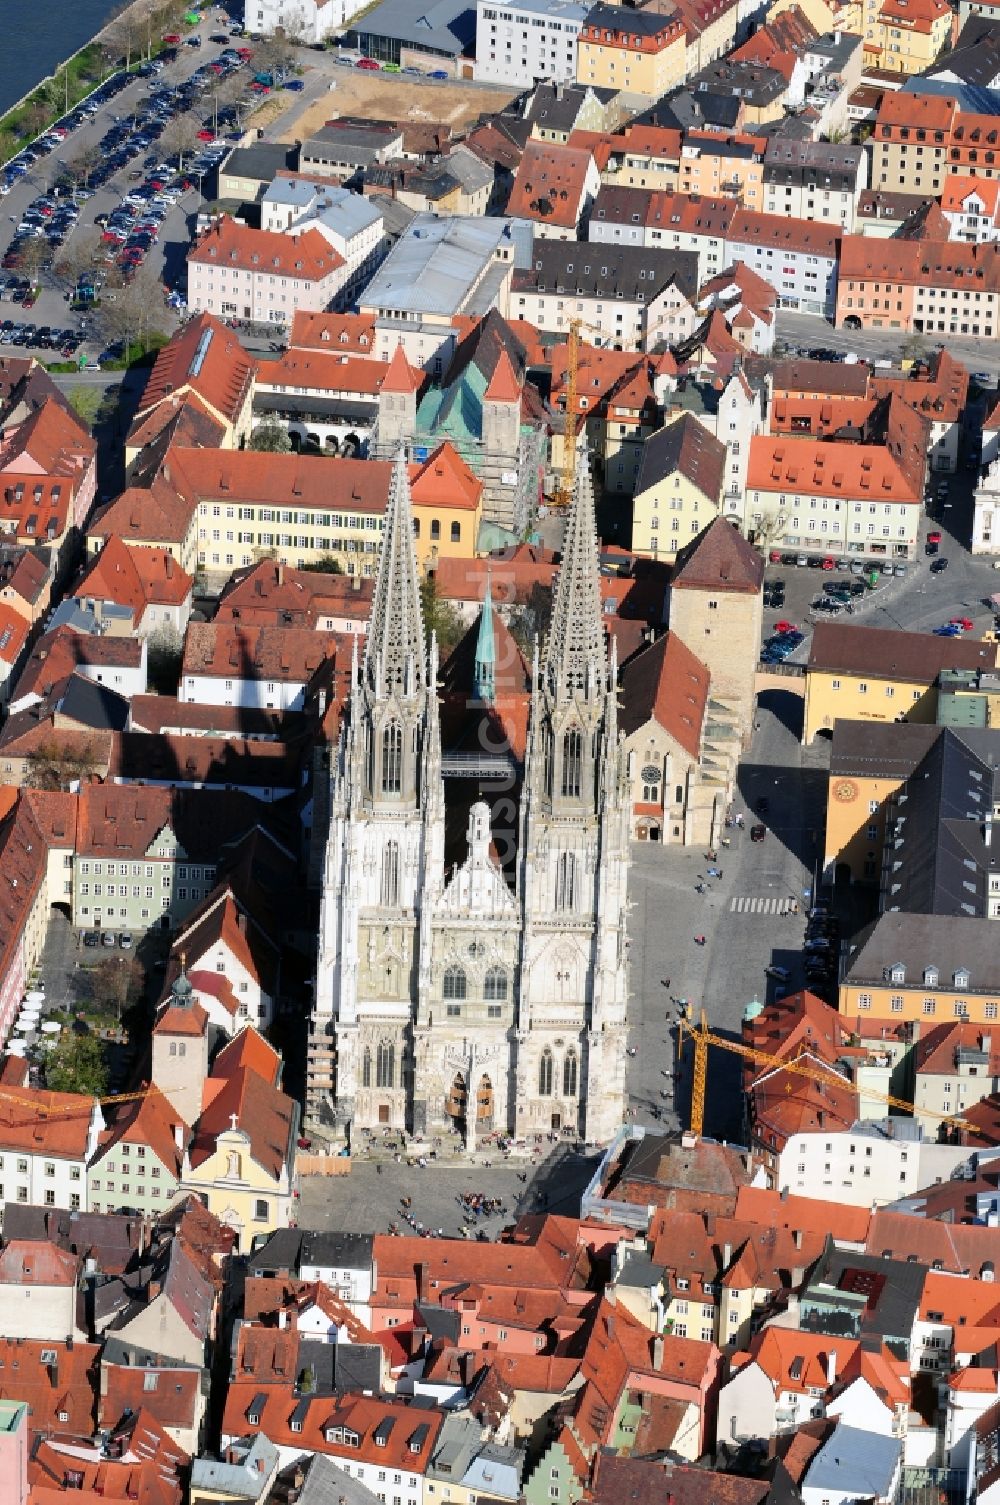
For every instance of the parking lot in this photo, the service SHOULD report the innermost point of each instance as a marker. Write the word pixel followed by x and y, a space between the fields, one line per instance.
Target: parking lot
pixel 130 207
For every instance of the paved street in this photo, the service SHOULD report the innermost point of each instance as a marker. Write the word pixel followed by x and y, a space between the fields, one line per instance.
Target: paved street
pixel 740 917
pixel 881 344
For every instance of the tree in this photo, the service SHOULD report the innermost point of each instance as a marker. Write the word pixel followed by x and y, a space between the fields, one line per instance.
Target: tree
pixel 180 137
pixel 77 168
pixel 76 1064
pixel 914 348
pixel 59 763
pixel 134 312
pixel 533 619
pixel 270 437
pixel 440 617
pixel 119 981
pixel 77 259
pixel 36 254
pixel 326 564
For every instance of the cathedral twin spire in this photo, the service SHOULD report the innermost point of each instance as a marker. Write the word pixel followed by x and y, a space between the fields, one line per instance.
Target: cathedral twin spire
pixel 575 660
pixel 395 648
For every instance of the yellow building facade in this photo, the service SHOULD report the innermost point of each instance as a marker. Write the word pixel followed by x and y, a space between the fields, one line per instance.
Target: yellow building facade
pixel 678 487
pixel 639 52
pixel 239 1190
pixel 868 763
pixel 910 34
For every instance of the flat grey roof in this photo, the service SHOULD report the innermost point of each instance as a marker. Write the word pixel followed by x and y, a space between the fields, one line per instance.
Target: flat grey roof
pixel 856 1463
pixel 435 264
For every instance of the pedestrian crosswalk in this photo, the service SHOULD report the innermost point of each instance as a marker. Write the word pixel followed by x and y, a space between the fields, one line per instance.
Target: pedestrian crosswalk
pixel 749 904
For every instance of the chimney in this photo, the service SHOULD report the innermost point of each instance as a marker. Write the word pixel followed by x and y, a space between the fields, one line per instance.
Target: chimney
pixel 179 1137
pixel 282 1320
pixel 797 1237
pixel 727 1254
pixel 658 1351
pixel 831 1367
pixel 241 921
pixel 988 831
pixel 560 89
pixel 423 1275
pixel 798 1275
pixel 281 573
pixel 168 566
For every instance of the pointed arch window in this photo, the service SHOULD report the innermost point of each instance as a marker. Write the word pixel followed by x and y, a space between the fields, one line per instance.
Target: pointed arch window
pixel 495 985
pixel 570 1074
pixel 455 985
pixel 385 1065
pixel 547 759
pixel 566 881
pixel 366 1068
pixel 392 758
pixel 545 1074
pixel 389 897
pixel 572 763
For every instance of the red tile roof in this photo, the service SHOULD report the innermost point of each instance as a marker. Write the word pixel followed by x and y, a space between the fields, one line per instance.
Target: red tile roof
pixel 400 376
pixel 666 683
pixel 136 577
pixel 719 559
pixel 230 650
pixel 550 184
pixel 206 358
pixel 504 385
pixel 308 257
pixel 61 1394
pixel 348 333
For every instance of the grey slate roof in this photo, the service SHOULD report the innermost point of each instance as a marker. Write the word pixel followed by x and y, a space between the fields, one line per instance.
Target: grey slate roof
pixel 445 26
pixel 604 271
pixel 90 704
pixel 941 855
pixel 260 160
pixel 326 1483
pixel 347 1251
pixel 918 941
pixel 820 163
pixel 279 1255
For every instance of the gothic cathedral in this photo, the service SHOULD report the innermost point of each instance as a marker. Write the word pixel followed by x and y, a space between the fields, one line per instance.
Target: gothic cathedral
pixel 475 996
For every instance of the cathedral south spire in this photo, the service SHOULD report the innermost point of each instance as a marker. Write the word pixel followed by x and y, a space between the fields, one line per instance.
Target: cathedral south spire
pixel 575 656
pixel 395 648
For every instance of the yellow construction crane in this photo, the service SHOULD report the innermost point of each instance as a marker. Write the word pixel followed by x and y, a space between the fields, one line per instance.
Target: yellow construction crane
pixel 702 1037
pixel 570 428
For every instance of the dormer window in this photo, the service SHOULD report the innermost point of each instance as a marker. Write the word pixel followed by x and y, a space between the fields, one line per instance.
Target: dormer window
pixel 961 978
pixel 930 977
pixel 897 973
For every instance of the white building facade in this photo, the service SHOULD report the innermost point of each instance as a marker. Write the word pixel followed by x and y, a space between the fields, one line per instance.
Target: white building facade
pixel 525 42
pixel 457 1000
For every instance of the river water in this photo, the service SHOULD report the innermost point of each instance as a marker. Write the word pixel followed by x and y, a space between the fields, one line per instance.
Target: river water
pixel 38 38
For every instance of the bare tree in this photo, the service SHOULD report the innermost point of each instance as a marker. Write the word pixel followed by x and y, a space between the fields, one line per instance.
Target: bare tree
pixel 77 259
pixel 123 38
pixel 76 169
pixel 181 137
pixel 36 255
pixel 134 312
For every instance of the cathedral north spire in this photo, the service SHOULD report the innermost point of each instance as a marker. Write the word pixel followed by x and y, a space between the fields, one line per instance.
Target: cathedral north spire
pixel 575 656
pixel 395 647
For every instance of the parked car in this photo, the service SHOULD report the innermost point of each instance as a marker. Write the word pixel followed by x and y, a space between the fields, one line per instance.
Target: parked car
pixel 939 566
pixel 370 64
pixel 758 832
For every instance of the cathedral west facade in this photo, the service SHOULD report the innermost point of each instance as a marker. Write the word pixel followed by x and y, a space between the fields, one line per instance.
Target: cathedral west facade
pixel 487 993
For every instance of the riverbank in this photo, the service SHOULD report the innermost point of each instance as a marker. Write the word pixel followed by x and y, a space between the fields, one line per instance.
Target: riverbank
pixel 124 40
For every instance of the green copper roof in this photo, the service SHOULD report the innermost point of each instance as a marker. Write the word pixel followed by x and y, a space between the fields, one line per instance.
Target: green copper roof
pixel 484 675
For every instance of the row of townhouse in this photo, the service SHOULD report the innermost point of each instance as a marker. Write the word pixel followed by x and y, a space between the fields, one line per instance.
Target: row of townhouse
pixel 931 287
pixel 920 140
pixel 224 510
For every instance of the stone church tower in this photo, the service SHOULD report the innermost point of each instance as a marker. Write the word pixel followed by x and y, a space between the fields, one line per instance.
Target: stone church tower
pixel 458 1002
